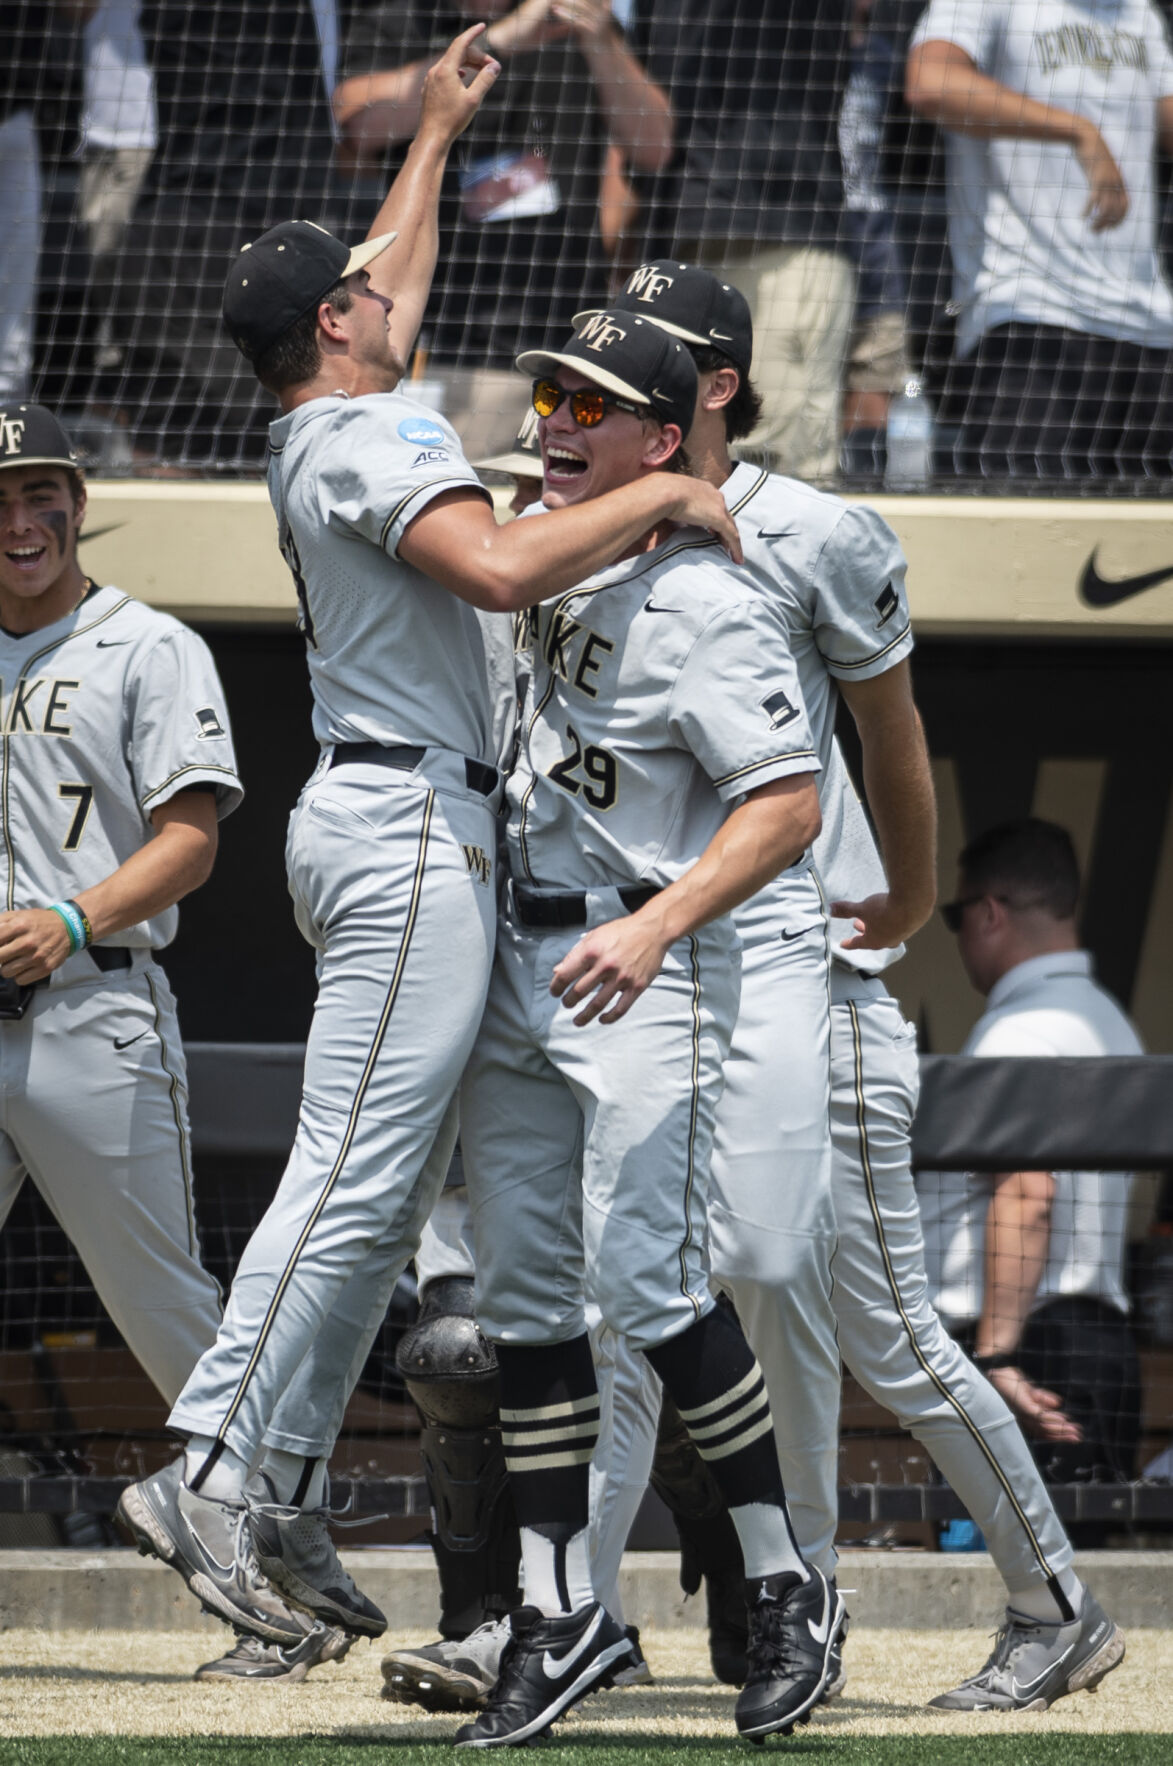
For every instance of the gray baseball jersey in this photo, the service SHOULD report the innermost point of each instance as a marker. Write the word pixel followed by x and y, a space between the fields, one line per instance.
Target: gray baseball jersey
pixel 392 869
pixel 393 657
pixel 661 691
pixel 107 714
pixel 837 573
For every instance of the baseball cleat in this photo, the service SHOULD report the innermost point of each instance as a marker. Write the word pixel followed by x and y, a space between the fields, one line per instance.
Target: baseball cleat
pixel 252 1659
pixel 209 1544
pixel 728 1626
pixel 638 1674
pixel 547 1666
pixel 296 1553
pixel 448 1675
pixel 792 1633
pixel 1034 1664
pixel 836 1672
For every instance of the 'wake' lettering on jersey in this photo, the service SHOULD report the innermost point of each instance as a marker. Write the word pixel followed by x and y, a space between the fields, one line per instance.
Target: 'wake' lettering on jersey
pixel 50 708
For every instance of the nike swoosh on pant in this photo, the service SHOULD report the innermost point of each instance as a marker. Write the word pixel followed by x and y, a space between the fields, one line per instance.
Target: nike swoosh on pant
pixel 554 1667
pixel 1094 591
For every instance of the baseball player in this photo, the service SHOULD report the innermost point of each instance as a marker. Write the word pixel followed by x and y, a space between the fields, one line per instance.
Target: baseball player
pixel 836 574
pixel 391 859
pixel 117 766
pixel 665 774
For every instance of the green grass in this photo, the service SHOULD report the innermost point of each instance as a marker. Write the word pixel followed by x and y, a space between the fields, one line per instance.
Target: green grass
pixel 890 1750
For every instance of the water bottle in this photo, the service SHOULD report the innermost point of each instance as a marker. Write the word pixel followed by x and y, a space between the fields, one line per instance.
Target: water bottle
pixel 910 440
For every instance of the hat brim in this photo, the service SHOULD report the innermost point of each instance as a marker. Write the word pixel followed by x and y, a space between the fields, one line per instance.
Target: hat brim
pixel 545 361
pixel 42 460
pixel 518 465
pixel 664 325
pixel 367 252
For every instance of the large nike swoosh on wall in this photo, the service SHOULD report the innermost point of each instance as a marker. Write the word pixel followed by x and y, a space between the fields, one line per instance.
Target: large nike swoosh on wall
pixel 1094 591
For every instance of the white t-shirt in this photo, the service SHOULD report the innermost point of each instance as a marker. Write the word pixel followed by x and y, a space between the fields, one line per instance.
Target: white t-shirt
pixel 1022 247
pixel 119 108
pixel 1049 1005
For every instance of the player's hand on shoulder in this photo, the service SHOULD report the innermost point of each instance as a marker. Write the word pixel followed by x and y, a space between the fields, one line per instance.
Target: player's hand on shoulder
pixel 881 921
pixel 456 86
pixel 702 505
pixel 1040 1412
pixel 610 967
pixel 33 942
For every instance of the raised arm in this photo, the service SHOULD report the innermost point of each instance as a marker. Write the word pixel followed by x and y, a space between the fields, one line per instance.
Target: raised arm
pixel 452 94
pixel 944 84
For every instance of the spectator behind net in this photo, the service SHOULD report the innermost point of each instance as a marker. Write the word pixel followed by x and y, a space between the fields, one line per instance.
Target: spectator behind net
pixel 1054 109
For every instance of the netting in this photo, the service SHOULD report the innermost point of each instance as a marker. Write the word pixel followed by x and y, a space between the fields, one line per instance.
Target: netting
pixel 952 222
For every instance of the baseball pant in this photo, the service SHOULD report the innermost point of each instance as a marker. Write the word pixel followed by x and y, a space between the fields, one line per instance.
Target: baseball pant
pixel 404 933
pixel 93 1108
pixel 771 1220
pixel 803 302
pixel 587 1148
pixel 891 1338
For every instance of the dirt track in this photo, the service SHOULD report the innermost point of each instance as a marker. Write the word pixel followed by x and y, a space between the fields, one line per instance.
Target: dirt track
pixel 131 1683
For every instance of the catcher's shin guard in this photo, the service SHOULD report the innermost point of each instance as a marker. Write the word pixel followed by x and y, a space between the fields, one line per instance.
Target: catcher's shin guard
pixel 450 1370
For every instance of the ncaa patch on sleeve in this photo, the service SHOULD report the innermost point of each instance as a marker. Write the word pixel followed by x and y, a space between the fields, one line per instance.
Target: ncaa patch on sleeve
pixel 779 710
pixel 421 432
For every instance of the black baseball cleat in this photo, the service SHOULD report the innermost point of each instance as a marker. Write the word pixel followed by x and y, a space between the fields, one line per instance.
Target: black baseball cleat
pixel 793 1629
pixel 547 1666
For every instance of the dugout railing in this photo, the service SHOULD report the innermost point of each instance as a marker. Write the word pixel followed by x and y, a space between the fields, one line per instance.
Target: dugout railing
pixel 980 1115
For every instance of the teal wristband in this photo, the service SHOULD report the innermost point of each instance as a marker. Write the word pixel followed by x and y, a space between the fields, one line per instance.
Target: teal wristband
pixel 74 923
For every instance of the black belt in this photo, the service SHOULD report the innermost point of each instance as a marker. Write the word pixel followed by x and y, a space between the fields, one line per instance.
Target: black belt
pixel 406 757
pixel 107 958
pixel 569 906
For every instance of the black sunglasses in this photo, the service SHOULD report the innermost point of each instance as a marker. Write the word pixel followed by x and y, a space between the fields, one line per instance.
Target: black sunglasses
pixel 952 911
pixel 588 407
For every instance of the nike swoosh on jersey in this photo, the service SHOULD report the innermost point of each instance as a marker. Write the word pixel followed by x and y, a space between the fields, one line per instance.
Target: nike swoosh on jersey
pixel 789 937
pixel 776 533
pixel 1095 591
pixel 553 1667
pixel 128 1040
pixel 822 1630
pixel 111 643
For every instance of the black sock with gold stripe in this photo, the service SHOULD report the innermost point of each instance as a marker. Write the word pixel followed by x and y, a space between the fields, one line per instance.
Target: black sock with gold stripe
pixel 717 1386
pixel 549 1427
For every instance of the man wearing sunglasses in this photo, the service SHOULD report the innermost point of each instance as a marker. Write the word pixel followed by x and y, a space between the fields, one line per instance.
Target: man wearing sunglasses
pixel 791 1211
pixel 391 853
pixel 666 774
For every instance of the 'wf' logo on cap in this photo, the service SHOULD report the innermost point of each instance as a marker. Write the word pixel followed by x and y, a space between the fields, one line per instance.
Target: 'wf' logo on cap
pixel 647 282
pixel 598 332
pixel 11 433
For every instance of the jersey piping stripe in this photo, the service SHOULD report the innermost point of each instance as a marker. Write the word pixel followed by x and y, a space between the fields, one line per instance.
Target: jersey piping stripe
pixel 181 1129
pixel 743 772
pixel 655 558
pixel 527 794
pixel 755 487
pixel 876 656
pixel 351 1128
pixel 941 1385
pixel 416 490
pixel 693 1113
pixel 226 771
pixel 77 632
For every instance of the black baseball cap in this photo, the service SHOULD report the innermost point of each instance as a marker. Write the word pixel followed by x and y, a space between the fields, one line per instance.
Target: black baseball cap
pixel 629 356
pixel 282 275
pixel 690 303
pixel 524 459
pixel 30 435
